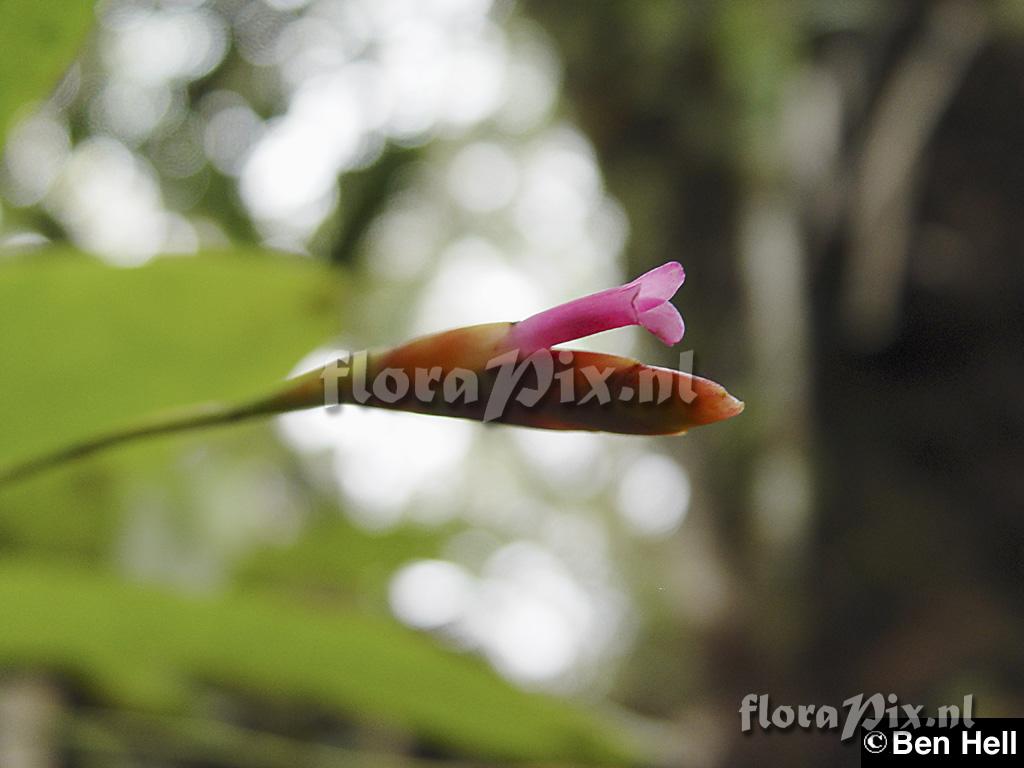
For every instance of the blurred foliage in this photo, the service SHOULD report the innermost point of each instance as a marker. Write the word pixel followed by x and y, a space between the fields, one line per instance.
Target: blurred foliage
pixel 96 347
pixel 143 648
pixel 312 564
pixel 37 42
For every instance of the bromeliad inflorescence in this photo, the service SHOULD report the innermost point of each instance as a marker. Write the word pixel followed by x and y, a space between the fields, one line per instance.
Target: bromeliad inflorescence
pixel 511 373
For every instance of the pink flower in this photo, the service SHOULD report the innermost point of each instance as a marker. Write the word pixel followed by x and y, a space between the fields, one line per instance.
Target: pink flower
pixel 645 302
pixel 571 389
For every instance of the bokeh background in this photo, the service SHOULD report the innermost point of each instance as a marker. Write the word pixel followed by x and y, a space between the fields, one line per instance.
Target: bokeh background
pixel 199 198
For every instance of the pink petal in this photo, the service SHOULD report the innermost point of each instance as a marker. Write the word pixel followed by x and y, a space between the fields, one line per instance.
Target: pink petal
pixel 665 322
pixel 660 284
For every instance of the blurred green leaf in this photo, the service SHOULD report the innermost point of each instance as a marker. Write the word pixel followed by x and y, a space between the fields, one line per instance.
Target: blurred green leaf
pixel 312 564
pixel 38 40
pixel 143 647
pixel 87 347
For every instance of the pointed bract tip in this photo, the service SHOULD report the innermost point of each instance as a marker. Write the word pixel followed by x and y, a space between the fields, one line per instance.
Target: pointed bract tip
pixel 713 403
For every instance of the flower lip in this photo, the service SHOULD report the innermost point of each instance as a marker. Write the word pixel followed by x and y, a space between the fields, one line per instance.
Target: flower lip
pixel 644 302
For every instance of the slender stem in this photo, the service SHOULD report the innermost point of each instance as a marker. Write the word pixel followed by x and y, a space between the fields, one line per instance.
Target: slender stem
pixel 304 391
pixel 198 417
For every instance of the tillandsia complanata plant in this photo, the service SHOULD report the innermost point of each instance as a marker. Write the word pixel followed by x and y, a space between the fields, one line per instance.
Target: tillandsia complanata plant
pixel 509 373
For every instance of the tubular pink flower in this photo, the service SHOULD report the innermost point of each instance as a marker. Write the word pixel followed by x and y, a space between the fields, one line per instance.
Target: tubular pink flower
pixel 645 302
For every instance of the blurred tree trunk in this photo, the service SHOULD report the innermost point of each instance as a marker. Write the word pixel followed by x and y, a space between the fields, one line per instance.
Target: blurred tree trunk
pixel 845 191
